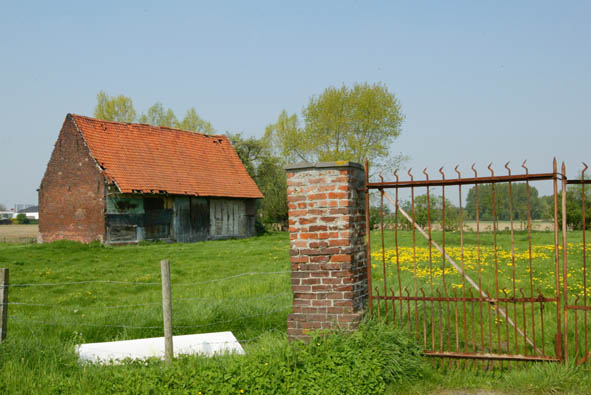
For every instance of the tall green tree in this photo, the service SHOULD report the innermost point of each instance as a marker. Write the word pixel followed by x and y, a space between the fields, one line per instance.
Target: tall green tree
pixel 251 151
pixel 432 209
pixel 285 138
pixel 158 116
pixel 194 122
pixel 272 181
pixel 120 109
pixel 575 207
pixel 114 108
pixel 546 207
pixel 267 171
pixel 346 123
pixel 503 202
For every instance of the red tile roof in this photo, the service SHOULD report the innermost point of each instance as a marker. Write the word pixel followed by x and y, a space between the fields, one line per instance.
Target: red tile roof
pixel 153 159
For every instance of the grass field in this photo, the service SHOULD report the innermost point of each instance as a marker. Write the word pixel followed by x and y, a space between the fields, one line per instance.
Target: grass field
pixel 480 262
pixel 118 289
pixel 66 293
pixel 47 319
pixel 19 233
pixel 441 326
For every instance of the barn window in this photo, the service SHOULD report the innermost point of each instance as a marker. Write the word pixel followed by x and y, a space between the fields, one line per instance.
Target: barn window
pixel 153 204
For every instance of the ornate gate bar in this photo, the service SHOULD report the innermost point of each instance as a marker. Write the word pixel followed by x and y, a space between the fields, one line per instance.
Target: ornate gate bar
pixel 581 351
pixel 460 181
pixel 509 324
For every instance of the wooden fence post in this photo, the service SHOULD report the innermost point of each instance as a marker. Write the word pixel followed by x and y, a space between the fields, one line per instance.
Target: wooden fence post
pixel 3 303
pixel 167 310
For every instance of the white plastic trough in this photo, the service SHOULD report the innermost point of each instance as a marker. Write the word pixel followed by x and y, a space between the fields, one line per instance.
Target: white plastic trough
pixel 207 344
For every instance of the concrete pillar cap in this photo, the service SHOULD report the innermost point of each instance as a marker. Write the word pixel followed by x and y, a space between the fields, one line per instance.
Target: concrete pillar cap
pixel 323 165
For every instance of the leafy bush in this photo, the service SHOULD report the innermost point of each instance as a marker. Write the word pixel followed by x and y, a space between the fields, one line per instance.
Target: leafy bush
pixel 22 219
pixel 363 362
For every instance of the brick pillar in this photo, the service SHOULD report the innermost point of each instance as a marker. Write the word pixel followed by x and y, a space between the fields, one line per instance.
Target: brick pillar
pixel 327 246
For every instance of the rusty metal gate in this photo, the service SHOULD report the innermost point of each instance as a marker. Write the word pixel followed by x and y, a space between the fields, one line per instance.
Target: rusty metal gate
pixel 467 288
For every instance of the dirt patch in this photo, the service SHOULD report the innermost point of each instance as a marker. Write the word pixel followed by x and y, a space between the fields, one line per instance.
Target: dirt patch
pixel 19 233
pixel 487 226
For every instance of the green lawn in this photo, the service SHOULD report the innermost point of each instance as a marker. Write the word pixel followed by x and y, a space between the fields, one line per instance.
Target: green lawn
pixel 495 334
pixel 61 303
pixel 73 293
pixel 480 264
pixel 114 292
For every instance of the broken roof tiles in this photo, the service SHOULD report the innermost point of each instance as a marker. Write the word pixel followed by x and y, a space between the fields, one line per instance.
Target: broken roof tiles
pixel 145 158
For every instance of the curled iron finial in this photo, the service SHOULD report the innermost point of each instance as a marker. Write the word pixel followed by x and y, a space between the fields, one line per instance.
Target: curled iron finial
pixel 583 172
pixel 441 172
pixel 507 167
pixel 410 174
pixel 380 175
pixel 474 170
pixel 521 291
pixel 457 171
pixel 425 173
pixel 492 172
pixel 525 167
pixel 396 174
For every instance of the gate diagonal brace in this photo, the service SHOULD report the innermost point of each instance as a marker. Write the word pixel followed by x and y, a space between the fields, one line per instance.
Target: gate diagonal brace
pixel 459 270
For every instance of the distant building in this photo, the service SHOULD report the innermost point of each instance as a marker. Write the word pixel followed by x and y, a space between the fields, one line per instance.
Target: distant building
pixel 32 212
pixel 5 217
pixel 123 183
pixel 21 206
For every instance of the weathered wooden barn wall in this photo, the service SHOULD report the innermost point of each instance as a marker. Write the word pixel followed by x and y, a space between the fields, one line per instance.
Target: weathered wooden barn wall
pixel 231 218
pixel 124 215
pixel 132 218
pixel 200 218
pixel 157 218
pixel 191 219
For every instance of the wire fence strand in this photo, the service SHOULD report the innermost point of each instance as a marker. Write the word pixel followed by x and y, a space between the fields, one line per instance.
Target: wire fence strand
pixel 251 303
pixel 74 324
pixel 78 308
pixel 22 285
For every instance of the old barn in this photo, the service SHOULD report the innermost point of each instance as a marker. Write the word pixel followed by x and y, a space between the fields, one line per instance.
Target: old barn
pixel 122 183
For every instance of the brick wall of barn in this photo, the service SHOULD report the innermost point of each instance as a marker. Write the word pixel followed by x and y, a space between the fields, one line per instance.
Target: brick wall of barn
pixel 72 192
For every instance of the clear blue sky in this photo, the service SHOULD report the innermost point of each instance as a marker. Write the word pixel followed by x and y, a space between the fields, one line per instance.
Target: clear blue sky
pixel 478 81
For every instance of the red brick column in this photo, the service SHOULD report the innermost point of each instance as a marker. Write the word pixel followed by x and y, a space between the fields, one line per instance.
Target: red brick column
pixel 328 250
